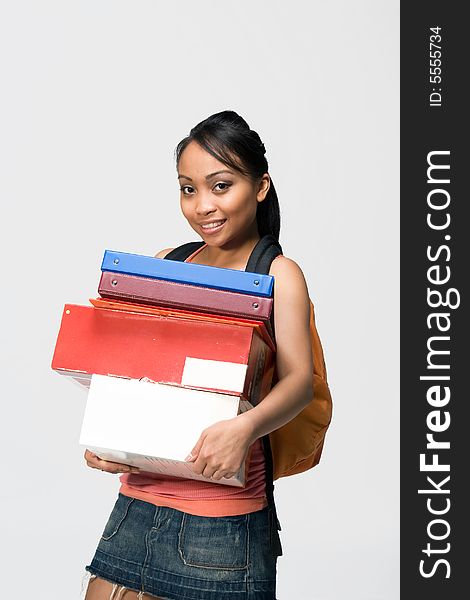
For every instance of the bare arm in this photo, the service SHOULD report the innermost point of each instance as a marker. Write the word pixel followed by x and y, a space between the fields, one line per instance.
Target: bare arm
pixel 223 446
pixel 294 361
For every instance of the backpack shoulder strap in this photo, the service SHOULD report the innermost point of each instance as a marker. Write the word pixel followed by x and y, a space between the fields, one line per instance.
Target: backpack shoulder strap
pixel 182 252
pixel 260 259
pixel 263 255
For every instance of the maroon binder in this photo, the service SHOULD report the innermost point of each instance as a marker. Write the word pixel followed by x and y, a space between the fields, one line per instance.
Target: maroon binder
pixel 159 292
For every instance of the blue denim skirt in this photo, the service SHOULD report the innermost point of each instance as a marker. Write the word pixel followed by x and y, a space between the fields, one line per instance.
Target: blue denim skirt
pixel 178 556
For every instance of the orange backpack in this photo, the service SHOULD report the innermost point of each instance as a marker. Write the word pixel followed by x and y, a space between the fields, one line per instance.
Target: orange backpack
pixel 297 445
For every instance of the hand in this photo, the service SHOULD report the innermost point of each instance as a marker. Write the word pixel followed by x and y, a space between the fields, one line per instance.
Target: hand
pixel 221 449
pixel 95 462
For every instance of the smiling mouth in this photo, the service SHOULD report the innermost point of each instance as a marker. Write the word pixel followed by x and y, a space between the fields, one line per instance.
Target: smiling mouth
pixel 213 227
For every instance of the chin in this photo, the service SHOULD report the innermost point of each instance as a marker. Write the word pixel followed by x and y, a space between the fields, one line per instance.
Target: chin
pixel 216 241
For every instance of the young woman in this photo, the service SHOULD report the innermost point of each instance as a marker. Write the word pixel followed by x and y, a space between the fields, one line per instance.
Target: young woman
pixel 181 539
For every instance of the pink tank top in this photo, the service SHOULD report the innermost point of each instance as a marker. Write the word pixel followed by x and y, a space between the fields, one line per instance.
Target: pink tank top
pixel 200 497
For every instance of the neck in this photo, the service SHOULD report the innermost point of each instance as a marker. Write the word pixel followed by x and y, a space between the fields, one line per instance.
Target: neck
pixel 232 256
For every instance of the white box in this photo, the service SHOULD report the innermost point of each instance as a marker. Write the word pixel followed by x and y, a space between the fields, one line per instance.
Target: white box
pixel 153 426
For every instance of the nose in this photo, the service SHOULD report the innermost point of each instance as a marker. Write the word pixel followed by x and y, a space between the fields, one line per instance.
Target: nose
pixel 205 204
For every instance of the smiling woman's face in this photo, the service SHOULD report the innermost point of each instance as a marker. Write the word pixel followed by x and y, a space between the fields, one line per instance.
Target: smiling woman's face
pixel 219 203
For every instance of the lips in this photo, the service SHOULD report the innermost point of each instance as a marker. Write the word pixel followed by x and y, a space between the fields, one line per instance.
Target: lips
pixel 212 226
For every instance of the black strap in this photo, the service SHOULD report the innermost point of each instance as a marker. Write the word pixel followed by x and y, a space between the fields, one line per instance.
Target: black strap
pixel 259 261
pixel 263 255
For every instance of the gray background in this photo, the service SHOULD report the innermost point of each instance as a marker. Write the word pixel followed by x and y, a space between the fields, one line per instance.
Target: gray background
pixel 95 96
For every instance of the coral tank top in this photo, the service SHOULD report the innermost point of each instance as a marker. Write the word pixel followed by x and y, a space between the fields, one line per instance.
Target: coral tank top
pixel 202 498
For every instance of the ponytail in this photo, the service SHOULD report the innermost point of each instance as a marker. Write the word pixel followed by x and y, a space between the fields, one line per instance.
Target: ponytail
pixel 268 215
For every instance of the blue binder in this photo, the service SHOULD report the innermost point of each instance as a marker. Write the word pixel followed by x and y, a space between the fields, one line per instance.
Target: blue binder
pixel 190 273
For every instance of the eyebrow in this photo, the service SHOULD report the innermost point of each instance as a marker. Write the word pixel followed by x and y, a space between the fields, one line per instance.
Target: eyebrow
pixel 207 176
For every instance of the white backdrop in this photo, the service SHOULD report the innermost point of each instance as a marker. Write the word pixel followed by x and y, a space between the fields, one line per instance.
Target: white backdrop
pixel 95 95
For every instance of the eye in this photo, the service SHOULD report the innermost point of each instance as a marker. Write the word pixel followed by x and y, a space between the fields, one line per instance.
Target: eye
pixel 227 185
pixel 183 189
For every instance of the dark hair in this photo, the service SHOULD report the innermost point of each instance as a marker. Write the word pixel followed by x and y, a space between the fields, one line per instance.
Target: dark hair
pixel 228 137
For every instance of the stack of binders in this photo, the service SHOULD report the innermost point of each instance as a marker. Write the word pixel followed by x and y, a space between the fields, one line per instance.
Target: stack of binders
pixel 166 350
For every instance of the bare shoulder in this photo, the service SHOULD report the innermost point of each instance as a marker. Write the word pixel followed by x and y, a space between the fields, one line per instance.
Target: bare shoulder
pixel 287 272
pixel 290 288
pixel 163 253
pixel 291 313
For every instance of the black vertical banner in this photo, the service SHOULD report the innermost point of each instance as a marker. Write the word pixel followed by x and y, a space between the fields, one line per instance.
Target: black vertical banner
pixel 434 261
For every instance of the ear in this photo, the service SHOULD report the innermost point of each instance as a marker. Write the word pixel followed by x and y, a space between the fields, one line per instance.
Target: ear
pixel 263 187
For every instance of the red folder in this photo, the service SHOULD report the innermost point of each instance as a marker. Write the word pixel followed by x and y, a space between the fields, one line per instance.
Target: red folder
pixel 264 329
pixel 226 357
pixel 179 295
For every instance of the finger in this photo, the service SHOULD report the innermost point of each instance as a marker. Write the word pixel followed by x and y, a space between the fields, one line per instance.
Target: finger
pixel 196 449
pixel 208 471
pixel 93 462
pixel 113 467
pixel 222 473
pixel 199 465
pixel 110 467
pixel 117 469
pixel 197 468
